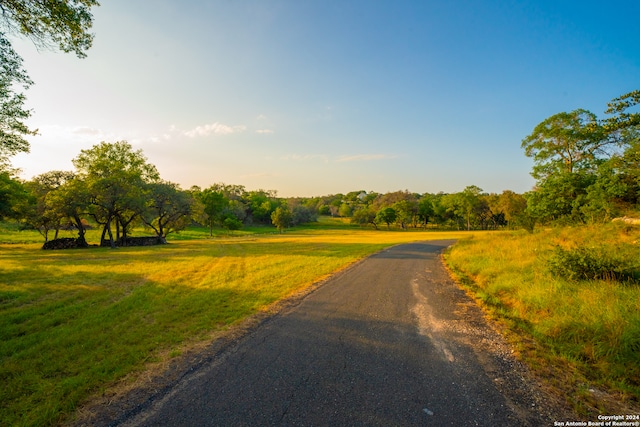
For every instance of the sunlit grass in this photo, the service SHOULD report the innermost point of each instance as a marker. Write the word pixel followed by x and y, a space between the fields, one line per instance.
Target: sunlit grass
pixel 74 322
pixel 591 326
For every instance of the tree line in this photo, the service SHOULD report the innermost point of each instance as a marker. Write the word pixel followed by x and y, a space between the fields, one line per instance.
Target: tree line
pixel 587 169
pixel 115 187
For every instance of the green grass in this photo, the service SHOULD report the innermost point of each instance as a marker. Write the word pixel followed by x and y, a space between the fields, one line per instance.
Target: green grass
pixel 73 323
pixel 589 329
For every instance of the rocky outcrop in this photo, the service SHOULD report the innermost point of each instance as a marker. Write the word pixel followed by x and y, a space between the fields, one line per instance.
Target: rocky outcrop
pixel 627 220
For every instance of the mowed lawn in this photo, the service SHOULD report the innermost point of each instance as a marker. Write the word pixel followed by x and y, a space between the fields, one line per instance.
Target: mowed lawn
pixel 74 322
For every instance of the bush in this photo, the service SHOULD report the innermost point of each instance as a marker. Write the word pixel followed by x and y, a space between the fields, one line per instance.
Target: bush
pixel 600 263
pixel 232 223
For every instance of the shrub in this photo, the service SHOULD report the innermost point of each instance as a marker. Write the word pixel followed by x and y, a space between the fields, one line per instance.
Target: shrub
pixel 598 263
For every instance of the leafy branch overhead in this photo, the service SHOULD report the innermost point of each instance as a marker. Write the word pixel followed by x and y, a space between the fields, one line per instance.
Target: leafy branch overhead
pixel 60 25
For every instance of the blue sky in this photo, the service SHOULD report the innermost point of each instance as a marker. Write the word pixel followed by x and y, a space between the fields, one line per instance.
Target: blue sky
pixel 319 97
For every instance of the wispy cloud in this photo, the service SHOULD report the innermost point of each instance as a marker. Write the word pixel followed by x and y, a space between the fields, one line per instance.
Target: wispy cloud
pixel 264 131
pixel 365 157
pixel 296 157
pixel 85 130
pixel 214 129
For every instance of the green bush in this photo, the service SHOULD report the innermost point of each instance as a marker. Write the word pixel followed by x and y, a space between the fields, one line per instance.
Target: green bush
pixel 598 263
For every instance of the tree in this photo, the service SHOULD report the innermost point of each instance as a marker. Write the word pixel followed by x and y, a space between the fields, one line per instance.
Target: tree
pixel 586 169
pixel 12 112
pixel 564 143
pixel 345 210
pixel 12 194
pixel 601 202
pixel 406 212
pixel 261 204
pixel 71 200
pixel 215 203
pixel 167 209
pixel 281 218
pixel 513 206
pixel 116 178
pixel 48 24
pixel 558 198
pixel 38 213
pixel 301 214
pixel 364 216
pixel 425 209
pixel 386 215
pixel 469 200
pixel 235 209
pixel 621 119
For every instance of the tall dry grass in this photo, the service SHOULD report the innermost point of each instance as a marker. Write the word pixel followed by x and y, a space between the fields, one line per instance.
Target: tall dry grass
pixel 590 327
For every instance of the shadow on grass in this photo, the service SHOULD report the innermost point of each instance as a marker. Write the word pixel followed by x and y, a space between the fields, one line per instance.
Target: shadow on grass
pixel 59 343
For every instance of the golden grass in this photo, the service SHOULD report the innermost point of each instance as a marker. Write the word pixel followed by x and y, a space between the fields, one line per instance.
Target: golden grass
pixel 589 330
pixel 74 322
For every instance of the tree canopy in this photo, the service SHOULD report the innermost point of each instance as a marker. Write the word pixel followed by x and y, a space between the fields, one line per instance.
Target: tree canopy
pixel 586 168
pixel 51 24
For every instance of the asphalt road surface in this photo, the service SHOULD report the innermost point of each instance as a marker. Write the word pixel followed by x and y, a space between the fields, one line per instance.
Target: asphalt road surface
pixel 391 341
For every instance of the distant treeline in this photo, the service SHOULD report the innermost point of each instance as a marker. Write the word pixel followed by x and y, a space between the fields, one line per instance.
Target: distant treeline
pixel 587 171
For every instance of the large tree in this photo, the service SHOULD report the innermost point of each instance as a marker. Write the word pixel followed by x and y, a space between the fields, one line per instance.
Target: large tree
pixel 564 143
pixel 49 24
pixel 38 213
pixel 387 215
pixel 586 169
pixel 116 178
pixel 71 200
pixel 167 208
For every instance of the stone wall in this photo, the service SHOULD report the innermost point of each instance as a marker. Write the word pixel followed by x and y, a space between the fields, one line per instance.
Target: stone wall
pixel 136 241
pixel 63 243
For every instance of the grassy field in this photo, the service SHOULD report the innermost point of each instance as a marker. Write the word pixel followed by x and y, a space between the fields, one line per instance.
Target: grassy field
pixel 75 323
pixel 72 323
pixel 586 333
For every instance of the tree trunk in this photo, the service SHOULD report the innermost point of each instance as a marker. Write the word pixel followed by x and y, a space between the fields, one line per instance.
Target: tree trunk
pixel 104 233
pixel 111 242
pixel 81 239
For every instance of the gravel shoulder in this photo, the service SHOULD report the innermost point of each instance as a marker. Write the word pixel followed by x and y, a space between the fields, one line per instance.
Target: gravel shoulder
pixel 392 340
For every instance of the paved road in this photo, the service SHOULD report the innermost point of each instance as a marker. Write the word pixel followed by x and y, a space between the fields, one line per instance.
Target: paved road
pixel 392 341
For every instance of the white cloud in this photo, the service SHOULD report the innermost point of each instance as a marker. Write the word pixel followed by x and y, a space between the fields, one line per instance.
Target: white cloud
pixel 264 131
pixel 214 128
pixel 295 157
pixel 365 157
pixel 85 130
